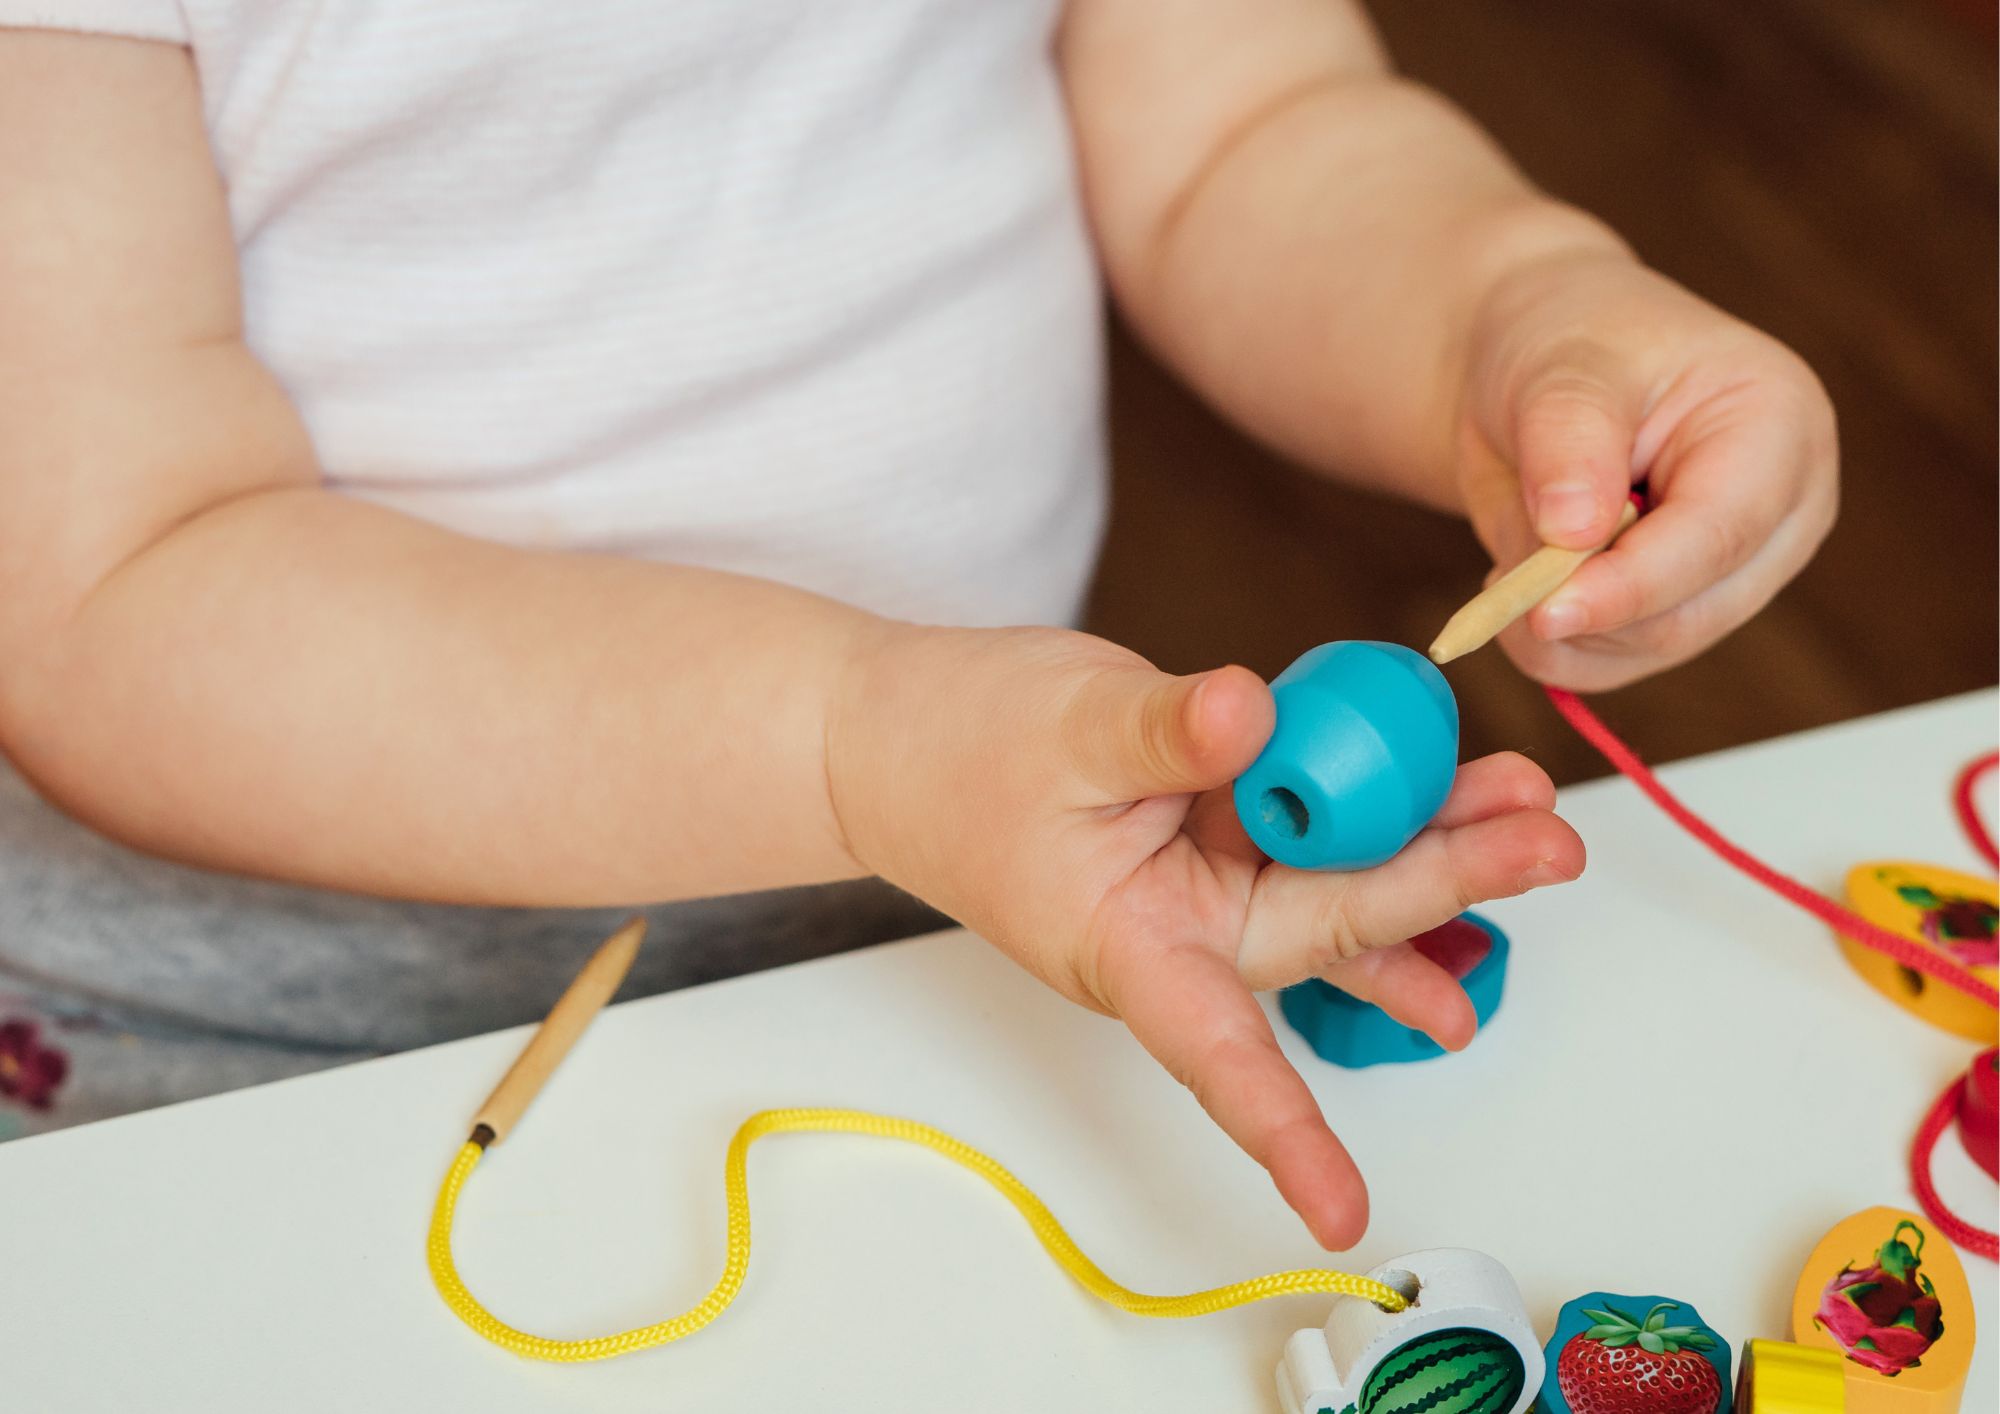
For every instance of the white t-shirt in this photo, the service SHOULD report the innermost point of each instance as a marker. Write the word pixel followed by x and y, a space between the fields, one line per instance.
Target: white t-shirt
pixel 797 288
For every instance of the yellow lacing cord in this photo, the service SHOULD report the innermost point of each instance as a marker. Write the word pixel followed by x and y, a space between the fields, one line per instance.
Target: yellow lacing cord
pixel 736 1192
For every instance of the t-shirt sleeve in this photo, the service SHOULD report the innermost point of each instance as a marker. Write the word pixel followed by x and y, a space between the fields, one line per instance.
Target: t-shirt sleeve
pixel 133 19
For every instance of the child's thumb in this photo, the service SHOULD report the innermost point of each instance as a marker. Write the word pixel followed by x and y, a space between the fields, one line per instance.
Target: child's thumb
pixel 1139 732
pixel 1573 436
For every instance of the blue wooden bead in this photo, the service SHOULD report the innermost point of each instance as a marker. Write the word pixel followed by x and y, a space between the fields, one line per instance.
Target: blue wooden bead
pixel 1348 1032
pixel 1363 755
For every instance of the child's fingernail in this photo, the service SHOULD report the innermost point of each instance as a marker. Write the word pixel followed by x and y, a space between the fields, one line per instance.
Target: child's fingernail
pixel 1559 620
pixel 1565 509
pixel 1545 873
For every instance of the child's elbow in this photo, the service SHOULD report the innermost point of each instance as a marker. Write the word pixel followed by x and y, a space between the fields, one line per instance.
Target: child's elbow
pixel 43 729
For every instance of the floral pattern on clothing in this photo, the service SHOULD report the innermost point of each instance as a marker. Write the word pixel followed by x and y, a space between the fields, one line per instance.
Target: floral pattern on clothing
pixel 31 1070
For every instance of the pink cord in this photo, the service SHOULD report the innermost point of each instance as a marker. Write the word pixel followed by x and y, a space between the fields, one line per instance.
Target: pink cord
pixel 1843 921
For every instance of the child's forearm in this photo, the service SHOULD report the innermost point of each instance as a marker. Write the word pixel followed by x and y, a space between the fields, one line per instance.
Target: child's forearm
pixel 1315 241
pixel 299 685
pixel 207 654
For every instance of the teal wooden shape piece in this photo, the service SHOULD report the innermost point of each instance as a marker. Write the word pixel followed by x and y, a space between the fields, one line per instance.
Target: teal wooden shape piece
pixel 1355 1034
pixel 1635 1355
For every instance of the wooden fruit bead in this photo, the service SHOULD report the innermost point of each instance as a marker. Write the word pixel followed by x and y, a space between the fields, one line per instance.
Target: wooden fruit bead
pixel 1362 757
pixel 1463 1346
pixel 1954 914
pixel 1979 1111
pixel 1634 1355
pixel 1779 1377
pixel 1354 1034
pixel 1882 1292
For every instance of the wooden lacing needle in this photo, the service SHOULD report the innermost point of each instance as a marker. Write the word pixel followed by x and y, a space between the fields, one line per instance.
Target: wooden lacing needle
pixel 573 1011
pixel 1514 593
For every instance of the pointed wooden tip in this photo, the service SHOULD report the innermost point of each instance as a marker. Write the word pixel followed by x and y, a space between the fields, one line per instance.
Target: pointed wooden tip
pixel 1513 594
pixel 1448 646
pixel 1473 626
pixel 621 949
pixel 595 984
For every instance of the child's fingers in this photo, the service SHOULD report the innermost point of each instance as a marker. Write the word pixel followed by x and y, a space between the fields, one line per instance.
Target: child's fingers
pixel 1574 428
pixel 1677 551
pixel 1413 990
pixel 1489 786
pixel 1599 662
pixel 1187 1006
pixel 1304 924
pixel 1723 492
pixel 1217 831
pixel 1137 732
pixel 1494 785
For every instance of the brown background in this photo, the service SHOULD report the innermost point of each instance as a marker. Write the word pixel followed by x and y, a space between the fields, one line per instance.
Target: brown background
pixel 1824 168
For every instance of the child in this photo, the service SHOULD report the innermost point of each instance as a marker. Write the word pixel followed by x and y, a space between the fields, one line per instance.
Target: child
pixel 549 457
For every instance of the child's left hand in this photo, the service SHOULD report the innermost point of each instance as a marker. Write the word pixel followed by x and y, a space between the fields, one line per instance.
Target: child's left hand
pixel 1588 372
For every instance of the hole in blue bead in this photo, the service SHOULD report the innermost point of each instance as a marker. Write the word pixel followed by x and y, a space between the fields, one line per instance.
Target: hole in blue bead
pixel 1285 813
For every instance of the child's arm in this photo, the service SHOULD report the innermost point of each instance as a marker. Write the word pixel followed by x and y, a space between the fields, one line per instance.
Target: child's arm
pixel 1344 263
pixel 205 653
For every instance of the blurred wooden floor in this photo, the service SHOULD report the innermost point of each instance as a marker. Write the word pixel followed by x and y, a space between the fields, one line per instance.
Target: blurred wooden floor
pixel 1825 170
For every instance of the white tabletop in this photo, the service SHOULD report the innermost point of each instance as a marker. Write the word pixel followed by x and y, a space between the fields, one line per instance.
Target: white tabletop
pixel 1683 1089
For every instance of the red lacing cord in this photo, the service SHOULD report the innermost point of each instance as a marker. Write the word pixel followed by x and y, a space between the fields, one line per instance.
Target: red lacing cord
pixel 1968 811
pixel 1843 921
pixel 1972 1239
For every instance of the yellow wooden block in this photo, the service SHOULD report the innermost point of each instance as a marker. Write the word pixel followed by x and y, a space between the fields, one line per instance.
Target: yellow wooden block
pixel 1781 1378
pixel 1887 1294
pixel 1950 913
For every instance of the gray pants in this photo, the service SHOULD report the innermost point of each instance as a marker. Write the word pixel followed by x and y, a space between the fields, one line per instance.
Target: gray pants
pixel 127 983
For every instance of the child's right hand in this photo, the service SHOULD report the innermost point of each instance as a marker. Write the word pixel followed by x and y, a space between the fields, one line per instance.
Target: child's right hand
pixel 1065 800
